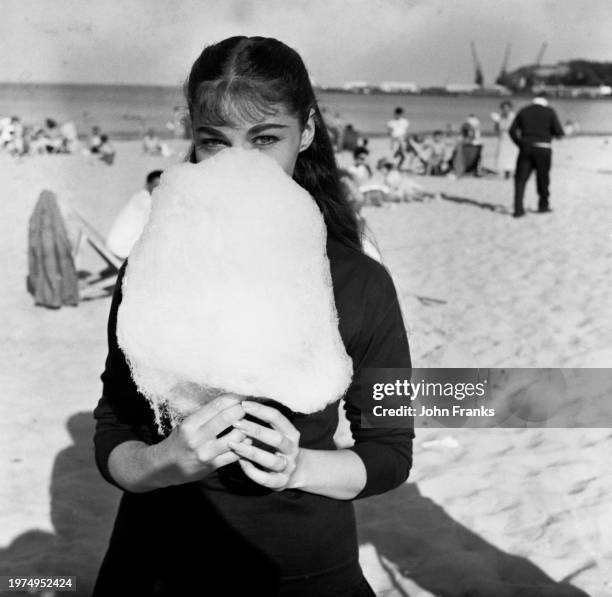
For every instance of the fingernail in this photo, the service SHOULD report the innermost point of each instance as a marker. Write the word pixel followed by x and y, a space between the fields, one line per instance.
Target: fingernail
pixel 238 425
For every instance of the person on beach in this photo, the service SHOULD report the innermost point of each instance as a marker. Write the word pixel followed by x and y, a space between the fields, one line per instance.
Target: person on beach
pixel 131 220
pixel 474 122
pixel 95 140
pixel 70 137
pixel 52 136
pixel 397 129
pixel 12 136
pixel 205 509
pixel 151 144
pixel 505 152
pixel 532 131
pixel 399 187
pixel 437 164
pixel 361 171
pixel 106 150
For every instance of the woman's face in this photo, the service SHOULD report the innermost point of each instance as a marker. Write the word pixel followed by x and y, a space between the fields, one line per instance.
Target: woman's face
pixel 280 136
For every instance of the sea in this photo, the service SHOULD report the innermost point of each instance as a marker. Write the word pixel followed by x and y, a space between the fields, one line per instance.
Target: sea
pixel 126 111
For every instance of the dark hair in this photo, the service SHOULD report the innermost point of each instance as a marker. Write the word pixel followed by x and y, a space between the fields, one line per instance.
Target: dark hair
pixel 104 138
pixel 246 76
pixel 151 176
pixel 543 94
pixel 398 111
pixel 506 103
pixel 359 151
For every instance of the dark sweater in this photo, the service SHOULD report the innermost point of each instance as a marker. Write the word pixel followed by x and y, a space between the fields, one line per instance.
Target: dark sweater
pixel 227 534
pixel 535 124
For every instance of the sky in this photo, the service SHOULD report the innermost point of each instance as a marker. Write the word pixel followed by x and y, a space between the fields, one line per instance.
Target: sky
pixel 425 41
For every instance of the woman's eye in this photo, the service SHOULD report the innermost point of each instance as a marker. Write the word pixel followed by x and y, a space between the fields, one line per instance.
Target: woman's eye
pixel 211 143
pixel 265 140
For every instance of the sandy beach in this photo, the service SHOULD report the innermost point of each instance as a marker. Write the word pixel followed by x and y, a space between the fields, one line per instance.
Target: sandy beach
pixel 496 512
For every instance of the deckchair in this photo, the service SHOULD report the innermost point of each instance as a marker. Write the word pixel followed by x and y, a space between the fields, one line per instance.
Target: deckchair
pixel 467 159
pixel 97 243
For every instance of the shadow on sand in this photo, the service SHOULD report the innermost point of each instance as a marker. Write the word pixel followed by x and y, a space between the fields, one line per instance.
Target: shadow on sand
pixel 494 207
pixel 83 509
pixel 413 536
pixel 416 539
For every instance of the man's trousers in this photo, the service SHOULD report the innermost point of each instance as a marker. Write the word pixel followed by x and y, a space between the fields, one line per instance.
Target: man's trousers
pixel 532 158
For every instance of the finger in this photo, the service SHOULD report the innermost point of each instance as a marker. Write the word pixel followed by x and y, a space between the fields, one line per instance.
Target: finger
pixel 268 436
pixel 225 459
pixel 271 480
pixel 210 410
pixel 221 445
pixel 273 462
pixel 221 421
pixel 272 416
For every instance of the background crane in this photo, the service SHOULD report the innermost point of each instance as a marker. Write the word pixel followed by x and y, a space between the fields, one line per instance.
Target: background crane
pixel 478 76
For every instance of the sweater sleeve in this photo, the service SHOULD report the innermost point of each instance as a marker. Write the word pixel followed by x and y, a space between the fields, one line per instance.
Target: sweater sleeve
pixel 386 453
pixel 515 130
pixel 556 129
pixel 122 413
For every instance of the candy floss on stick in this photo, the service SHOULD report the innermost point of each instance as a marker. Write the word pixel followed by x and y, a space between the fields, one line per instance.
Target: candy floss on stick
pixel 229 290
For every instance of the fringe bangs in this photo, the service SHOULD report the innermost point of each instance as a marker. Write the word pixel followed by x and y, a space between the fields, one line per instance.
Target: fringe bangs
pixel 238 99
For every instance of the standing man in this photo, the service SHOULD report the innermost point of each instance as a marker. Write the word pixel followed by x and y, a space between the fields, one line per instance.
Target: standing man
pixel 397 128
pixel 533 130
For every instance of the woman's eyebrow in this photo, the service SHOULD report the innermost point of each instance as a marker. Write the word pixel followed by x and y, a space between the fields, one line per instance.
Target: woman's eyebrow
pixel 209 130
pixel 266 125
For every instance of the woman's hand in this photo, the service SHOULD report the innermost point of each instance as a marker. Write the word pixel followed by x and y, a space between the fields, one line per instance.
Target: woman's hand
pixel 281 466
pixel 192 451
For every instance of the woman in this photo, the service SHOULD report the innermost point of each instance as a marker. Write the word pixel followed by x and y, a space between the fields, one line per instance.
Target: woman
pixel 243 498
pixel 506 152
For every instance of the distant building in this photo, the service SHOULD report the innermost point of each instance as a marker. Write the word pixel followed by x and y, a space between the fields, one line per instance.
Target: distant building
pixel 587 91
pixel 573 78
pixel 399 87
pixel 357 86
pixel 462 87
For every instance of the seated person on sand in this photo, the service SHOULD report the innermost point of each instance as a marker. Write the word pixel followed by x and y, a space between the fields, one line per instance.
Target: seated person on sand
pixel 70 137
pixel 151 145
pixel 356 200
pixel 437 164
pixel 106 151
pixel 468 153
pixel 474 123
pixel 53 137
pixel 130 221
pixel 95 140
pixel 352 193
pixel 36 140
pixel 398 186
pixel 417 154
pixel 360 170
pixel 12 136
pixel 349 138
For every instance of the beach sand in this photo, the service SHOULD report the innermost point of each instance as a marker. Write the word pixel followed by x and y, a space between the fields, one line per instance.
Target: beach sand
pixel 485 512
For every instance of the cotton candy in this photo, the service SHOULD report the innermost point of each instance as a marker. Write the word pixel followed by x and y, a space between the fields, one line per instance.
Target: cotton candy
pixel 229 290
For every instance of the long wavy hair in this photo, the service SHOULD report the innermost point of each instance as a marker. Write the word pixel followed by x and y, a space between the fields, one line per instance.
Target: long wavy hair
pixel 247 77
